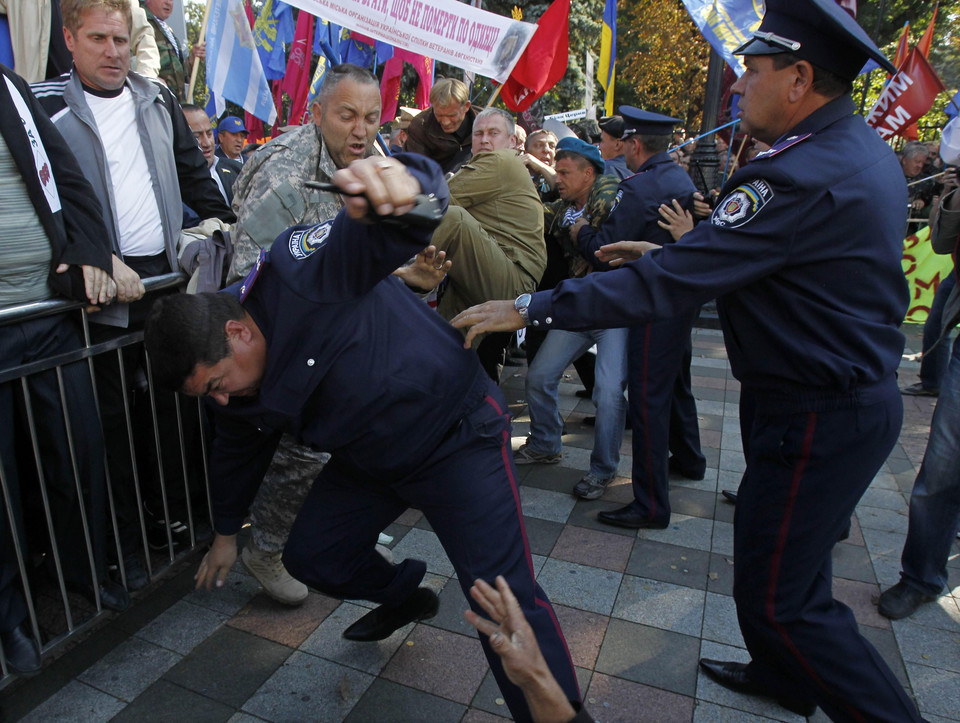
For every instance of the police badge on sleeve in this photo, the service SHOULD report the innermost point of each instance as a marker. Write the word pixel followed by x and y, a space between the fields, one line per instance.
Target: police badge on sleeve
pixel 740 206
pixel 306 241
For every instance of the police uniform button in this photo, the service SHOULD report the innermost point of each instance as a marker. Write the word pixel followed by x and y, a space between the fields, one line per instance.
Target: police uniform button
pixel 549 320
pixel 535 323
pixel 310 362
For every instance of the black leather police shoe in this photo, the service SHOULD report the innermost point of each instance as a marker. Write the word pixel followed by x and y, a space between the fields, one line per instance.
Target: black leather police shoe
pixel 733 676
pixel 112 595
pixel 21 651
pixel 630 518
pixel 675 468
pixel 729 496
pixel 902 601
pixel 381 622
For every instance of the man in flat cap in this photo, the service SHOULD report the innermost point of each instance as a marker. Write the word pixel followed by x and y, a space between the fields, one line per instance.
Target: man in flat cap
pixel 803 253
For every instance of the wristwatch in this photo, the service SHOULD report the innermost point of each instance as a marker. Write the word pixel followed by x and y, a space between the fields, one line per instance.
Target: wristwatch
pixel 521 305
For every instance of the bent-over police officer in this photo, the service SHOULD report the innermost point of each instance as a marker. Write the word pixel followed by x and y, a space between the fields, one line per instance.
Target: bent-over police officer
pixel 803 252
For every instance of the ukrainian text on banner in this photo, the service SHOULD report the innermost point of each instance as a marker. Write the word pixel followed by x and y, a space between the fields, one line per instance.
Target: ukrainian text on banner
pixel 907 97
pixel 726 24
pixel 924 270
pixel 446 30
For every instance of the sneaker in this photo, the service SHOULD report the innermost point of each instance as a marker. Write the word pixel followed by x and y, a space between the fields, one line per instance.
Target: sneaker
pixel 270 572
pixel 526 455
pixel 918 390
pixel 902 601
pixel 591 487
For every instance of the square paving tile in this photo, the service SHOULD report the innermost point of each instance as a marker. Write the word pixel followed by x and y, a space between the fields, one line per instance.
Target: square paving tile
pixel 424 545
pixel 306 687
pixel 327 642
pixel 878 518
pixel 130 668
pixel 660 605
pixel 943 613
pixel 937 691
pixel 481 716
pixel 229 666
pixel 284 624
pixel 182 627
pixel 720 577
pixel 695 532
pixel 722 543
pixel 889 499
pixel 593 548
pixel 614 700
pixel 165 701
pixel 712 713
pixel 546 504
pixel 386 702
pixel 670 563
pixel 439 662
pixel 655 657
pixel 859 597
pixel 75 701
pixel 550 477
pixel 450 615
pixel 881 543
pixel 720 622
pixel 928 646
pixel 542 535
pixel 237 591
pixel 886 644
pixel 695 503
pixel 852 562
pixel 583 632
pixel 579 586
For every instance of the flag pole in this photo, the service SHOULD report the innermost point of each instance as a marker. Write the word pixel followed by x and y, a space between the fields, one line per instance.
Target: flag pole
pixel 196 63
pixel 493 98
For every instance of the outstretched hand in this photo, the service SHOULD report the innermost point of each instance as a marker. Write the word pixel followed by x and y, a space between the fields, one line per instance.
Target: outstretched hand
pixel 621 252
pixel 676 219
pixel 427 269
pixel 486 317
pixel 385 183
pixel 512 638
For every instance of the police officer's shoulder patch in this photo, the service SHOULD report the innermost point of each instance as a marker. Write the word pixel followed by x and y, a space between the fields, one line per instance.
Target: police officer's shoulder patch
pixel 742 204
pixel 306 241
pixel 616 200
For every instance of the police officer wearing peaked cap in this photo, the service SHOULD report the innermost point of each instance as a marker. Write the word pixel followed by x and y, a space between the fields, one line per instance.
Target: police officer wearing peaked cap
pixel 803 254
pixel 663 412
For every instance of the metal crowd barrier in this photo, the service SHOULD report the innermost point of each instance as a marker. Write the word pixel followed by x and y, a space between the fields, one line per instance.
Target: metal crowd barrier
pixel 55 613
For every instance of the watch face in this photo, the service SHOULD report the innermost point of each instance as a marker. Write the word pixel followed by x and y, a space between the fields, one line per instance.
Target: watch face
pixel 523 301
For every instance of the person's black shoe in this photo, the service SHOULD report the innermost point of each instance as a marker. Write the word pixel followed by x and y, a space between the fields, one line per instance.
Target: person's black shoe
pixel 592 422
pixel 696 475
pixel 137 577
pixel 112 595
pixel 730 496
pixel 733 676
pixel 584 393
pixel 902 601
pixel 21 651
pixel 382 622
pixel 918 390
pixel 628 517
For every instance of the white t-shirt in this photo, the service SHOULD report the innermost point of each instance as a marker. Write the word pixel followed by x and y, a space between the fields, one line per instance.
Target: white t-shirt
pixel 141 230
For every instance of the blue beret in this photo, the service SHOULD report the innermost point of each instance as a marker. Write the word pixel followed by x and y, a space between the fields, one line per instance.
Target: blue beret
pixel 231 124
pixel 582 148
pixel 818 31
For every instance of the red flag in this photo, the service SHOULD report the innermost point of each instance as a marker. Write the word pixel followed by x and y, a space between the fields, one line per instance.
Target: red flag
pixel 296 81
pixel 543 63
pixel 907 97
pixel 924 45
pixel 390 85
pixel 903 47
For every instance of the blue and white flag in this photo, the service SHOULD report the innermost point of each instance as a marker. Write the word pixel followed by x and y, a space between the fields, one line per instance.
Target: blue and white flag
pixel 234 71
pixel 726 24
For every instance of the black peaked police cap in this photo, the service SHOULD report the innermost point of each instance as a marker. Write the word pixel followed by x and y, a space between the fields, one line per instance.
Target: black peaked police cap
pixel 818 31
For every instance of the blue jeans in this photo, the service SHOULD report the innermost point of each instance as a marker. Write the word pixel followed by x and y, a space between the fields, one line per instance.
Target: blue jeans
pixel 556 353
pixel 935 502
pixel 934 364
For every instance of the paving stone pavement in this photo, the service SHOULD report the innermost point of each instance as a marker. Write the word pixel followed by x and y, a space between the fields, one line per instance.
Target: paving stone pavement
pixel 638 609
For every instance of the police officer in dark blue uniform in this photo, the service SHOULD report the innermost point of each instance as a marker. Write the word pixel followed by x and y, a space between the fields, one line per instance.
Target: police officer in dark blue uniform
pixel 663 412
pixel 321 341
pixel 803 253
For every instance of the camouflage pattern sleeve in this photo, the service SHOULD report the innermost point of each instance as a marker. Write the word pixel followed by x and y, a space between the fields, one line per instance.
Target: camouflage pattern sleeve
pixel 599 203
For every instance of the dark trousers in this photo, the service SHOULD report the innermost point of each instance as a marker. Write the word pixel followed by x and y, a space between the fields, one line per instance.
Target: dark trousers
pixel 22 343
pixel 468 492
pixel 662 411
pixel 809 459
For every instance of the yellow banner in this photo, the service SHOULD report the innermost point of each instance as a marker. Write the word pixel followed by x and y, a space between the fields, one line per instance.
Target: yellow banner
pixel 924 270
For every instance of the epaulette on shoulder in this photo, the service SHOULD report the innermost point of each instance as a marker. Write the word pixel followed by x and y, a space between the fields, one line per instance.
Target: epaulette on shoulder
pixel 781 146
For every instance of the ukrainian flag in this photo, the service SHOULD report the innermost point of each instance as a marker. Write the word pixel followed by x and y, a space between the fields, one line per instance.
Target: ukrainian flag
pixel 607 71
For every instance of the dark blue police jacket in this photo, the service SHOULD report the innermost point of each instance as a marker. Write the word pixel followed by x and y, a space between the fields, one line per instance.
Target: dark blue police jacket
pixel 634 214
pixel 803 253
pixel 357 365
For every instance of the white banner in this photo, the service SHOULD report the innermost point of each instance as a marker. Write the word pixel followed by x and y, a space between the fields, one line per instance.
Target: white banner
pixel 446 30
pixel 568 115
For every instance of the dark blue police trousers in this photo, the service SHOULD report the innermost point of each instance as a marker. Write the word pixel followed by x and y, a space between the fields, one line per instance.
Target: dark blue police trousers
pixel 468 492
pixel 810 456
pixel 662 411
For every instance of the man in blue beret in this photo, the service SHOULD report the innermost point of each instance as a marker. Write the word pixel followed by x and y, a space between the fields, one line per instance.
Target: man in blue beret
pixel 803 254
pixel 232 135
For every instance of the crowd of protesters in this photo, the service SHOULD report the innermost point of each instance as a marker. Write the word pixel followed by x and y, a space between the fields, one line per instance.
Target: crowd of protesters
pixel 129 182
